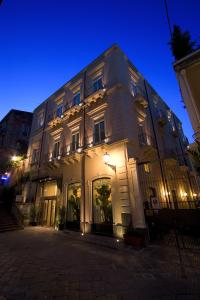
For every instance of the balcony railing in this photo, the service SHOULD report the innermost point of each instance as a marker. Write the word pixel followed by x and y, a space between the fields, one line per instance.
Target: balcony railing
pixel 73 105
pixel 190 204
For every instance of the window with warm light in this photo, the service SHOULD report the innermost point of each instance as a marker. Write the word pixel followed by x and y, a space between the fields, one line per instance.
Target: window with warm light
pixel 99 132
pixel 147 168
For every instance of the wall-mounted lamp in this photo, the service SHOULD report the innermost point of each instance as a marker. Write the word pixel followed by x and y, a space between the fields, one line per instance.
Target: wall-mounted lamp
pixel 106 159
pixel 14 158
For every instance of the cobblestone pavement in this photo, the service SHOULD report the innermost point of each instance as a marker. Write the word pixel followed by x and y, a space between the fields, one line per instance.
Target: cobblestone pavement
pixel 38 263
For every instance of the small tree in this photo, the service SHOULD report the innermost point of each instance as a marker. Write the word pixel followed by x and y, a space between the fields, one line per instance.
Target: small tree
pixel 181 43
pixel 74 202
pixel 102 200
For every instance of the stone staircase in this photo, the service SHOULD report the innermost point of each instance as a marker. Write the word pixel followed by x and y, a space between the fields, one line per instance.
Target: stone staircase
pixel 7 221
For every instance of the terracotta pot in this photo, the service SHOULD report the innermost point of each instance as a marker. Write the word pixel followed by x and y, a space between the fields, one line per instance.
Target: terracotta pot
pixel 133 240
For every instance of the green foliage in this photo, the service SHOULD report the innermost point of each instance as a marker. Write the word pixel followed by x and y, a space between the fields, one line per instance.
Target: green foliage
pixel 74 202
pixel 181 43
pixel 102 200
pixel 61 216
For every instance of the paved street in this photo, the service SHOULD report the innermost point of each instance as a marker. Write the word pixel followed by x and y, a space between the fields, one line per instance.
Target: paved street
pixel 38 263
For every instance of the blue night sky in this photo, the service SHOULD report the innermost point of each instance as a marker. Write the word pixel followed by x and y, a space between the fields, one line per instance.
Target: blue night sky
pixel 43 43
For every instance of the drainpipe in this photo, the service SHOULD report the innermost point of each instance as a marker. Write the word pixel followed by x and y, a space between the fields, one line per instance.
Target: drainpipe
pixel 83 154
pixel 41 147
pixel 157 148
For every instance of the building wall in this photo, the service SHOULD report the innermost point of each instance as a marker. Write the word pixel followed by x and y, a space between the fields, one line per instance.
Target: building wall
pixel 14 136
pixel 140 131
pixel 188 74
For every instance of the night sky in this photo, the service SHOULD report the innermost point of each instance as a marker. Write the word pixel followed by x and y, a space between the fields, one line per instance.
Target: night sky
pixel 43 43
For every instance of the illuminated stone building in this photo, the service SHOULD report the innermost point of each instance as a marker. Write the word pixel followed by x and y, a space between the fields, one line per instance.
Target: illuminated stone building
pixel 105 146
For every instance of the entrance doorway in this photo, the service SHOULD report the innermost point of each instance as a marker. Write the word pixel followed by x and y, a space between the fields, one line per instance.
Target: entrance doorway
pixel 102 206
pixel 49 212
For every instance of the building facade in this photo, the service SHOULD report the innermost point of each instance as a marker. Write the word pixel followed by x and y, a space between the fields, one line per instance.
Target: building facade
pixel 188 74
pixel 105 146
pixel 15 129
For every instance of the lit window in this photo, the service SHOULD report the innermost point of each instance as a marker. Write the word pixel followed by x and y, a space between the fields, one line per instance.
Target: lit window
pixel 77 99
pixel 97 84
pixel 99 132
pixel 75 141
pixel 147 168
pixel 59 111
pixel 56 150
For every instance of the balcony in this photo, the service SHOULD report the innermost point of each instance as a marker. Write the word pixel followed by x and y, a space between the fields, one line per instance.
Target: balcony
pixel 140 98
pixel 147 147
pixel 161 118
pixel 140 104
pixel 72 108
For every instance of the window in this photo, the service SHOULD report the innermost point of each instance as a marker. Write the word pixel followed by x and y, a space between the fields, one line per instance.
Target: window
pixel 40 120
pixel 59 111
pixel 25 130
pixel 35 156
pixel 147 168
pixel 77 99
pixel 133 88
pixel 97 84
pixel 75 141
pixel 56 150
pixel 99 132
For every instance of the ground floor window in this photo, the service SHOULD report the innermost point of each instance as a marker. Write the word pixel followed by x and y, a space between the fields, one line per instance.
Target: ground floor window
pixel 102 205
pixel 73 205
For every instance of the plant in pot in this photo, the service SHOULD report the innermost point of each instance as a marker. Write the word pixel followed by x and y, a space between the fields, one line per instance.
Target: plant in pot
pixel 134 237
pixel 61 218
pixel 33 215
pixel 103 201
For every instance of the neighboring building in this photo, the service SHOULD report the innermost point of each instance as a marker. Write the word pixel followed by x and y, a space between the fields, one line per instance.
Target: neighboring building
pixel 14 136
pixel 105 146
pixel 188 74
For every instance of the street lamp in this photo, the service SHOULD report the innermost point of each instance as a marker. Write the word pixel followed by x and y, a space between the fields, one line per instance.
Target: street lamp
pixel 106 159
pixel 14 158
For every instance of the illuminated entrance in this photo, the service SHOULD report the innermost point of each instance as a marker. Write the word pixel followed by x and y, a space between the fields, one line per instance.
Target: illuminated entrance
pixel 49 215
pixel 49 193
pixel 102 206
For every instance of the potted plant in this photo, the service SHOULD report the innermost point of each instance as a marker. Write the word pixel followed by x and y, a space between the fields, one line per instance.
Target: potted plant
pixel 33 215
pixel 134 237
pixel 61 218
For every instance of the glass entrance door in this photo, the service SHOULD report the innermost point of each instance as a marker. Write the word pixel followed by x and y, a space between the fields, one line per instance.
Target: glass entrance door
pixel 49 212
